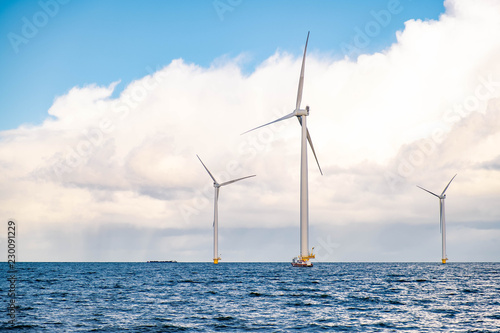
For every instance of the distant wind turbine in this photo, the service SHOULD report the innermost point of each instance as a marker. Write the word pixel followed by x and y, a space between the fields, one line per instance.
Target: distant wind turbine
pixel 216 212
pixel 442 221
pixel 301 114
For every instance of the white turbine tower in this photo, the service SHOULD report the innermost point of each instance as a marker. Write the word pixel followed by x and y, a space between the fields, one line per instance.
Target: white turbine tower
pixel 216 212
pixel 301 114
pixel 442 221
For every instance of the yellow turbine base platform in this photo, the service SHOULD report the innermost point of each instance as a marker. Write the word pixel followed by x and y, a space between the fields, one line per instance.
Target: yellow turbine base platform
pixel 311 256
pixel 443 261
pixel 216 260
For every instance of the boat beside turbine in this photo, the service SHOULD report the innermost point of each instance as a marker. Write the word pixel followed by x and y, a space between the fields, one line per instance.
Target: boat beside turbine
pixel 442 219
pixel 303 260
pixel 218 185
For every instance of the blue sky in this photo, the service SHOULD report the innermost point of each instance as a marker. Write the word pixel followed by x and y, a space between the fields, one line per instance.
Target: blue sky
pixel 100 42
pixel 401 93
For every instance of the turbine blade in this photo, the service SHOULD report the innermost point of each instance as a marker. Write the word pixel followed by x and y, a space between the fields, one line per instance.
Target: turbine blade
pixel 448 185
pixel 301 80
pixel 235 180
pixel 275 121
pixel 211 176
pixel 311 145
pixel 440 216
pixel 429 192
pixel 314 153
pixel 216 201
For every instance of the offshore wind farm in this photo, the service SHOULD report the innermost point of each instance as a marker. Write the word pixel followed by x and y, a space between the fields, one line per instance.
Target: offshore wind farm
pixel 111 224
pixel 118 138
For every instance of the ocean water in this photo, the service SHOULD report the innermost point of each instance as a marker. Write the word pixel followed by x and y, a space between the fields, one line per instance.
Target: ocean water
pixel 253 297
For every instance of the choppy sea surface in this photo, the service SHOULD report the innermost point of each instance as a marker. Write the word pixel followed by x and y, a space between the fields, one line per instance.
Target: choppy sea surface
pixel 253 297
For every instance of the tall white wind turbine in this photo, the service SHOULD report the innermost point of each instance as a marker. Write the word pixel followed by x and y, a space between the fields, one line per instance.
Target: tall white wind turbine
pixel 216 211
pixel 301 114
pixel 442 221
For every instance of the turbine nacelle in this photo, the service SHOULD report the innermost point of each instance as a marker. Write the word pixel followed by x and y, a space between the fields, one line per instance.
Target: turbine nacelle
pixel 302 112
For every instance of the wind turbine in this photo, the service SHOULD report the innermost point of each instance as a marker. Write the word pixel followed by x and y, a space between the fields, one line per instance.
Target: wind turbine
pixel 301 114
pixel 442 221
pixel 216 212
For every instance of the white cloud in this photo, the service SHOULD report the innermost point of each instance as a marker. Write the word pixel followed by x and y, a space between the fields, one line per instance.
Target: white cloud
pixel 417 113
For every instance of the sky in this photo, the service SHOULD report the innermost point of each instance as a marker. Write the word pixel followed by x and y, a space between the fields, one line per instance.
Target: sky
pixel 105 104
